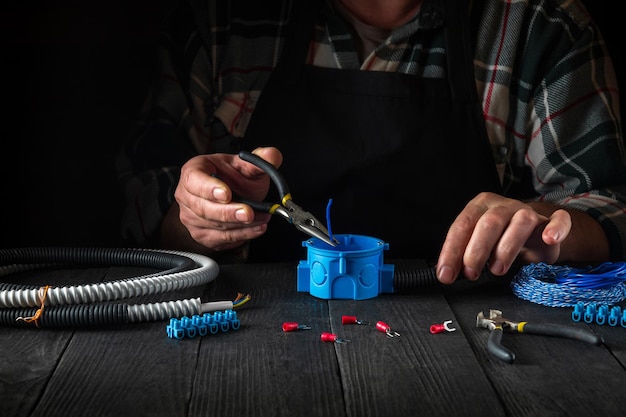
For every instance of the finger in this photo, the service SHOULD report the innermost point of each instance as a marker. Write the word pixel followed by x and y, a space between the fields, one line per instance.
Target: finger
pixel 221 235
pixel 200 178
pixel 558 227
pixel 228 238
pixel 451 256
pixel 487 233
pixel 519 230
pixel 195 210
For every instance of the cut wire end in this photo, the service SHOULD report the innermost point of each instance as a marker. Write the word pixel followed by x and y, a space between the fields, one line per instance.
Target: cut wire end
pixel 241 300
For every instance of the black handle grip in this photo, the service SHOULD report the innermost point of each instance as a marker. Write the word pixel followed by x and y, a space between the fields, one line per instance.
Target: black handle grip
pixel 568 332
pixel 494 346
pixel 277 178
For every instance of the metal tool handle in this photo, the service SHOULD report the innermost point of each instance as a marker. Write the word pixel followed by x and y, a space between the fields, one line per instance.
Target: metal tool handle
pixel 568 332
pixel 494 346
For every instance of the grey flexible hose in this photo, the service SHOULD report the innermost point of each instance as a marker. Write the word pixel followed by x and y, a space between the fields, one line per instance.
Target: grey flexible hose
pixel 89 304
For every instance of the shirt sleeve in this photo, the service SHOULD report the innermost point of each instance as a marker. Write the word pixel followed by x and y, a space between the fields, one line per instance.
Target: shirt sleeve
pixel 561 130
pixel 576 146
pixel 161 141
pixel 202 97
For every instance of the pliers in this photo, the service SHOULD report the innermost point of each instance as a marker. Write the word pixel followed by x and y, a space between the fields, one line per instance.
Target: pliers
pixel 497 324
pixel 294 214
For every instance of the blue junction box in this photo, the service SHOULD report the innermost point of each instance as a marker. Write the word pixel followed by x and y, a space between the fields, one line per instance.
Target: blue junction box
pixel 353 269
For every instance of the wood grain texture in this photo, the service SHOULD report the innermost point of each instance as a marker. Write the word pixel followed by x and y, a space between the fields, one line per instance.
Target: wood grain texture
pixel 259 370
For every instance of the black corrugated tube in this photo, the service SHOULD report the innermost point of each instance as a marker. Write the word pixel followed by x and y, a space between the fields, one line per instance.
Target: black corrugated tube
pixel 89 305
pixel 82 315
pixel 95 256
pixel 413 274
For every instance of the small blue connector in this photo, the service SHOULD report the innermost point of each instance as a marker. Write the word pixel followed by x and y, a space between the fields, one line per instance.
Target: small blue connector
pixel 577 314
pixel 174 330
pixel 590 313
pixel 600 314
pixel 614 315
pixel 202 325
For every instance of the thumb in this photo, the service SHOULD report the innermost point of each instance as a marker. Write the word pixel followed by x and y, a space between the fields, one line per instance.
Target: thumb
pixel 558 227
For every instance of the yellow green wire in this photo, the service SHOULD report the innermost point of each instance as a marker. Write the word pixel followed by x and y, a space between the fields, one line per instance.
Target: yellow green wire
pixel 240 300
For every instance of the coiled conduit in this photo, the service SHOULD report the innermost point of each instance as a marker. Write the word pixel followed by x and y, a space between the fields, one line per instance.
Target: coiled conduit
pixel 91 304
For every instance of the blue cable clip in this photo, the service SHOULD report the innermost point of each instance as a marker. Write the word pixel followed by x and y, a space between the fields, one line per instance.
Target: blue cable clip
pixel 600 314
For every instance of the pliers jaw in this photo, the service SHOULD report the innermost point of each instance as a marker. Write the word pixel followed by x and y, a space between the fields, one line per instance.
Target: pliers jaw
pixel 496 324
pixel 294 214
pixel 305 222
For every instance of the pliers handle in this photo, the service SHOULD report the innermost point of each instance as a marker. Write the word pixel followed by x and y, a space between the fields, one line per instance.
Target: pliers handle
pixel 567 332
pixel 497 324
pixel 294 214
pixel 277 179
pixel 495 348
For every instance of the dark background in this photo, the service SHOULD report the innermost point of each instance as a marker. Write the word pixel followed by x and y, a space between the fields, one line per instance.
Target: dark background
pixel 73 76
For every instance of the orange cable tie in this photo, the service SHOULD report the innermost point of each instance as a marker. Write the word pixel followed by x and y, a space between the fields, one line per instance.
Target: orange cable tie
pixel 39 312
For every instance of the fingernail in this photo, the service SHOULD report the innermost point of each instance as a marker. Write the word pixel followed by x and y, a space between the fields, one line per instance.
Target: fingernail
pixel 445 274
pixel 497 268
pixel 241 215
pixel 219 194
pixel 554 235
pixel 470 273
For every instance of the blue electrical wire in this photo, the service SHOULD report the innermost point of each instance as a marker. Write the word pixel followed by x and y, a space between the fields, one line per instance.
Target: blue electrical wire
pixel 564 286
pixel 605 275
pixel 330 232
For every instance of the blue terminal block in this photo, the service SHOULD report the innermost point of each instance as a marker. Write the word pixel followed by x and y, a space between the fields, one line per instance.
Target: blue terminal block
pixel 353 270
pixel 201 325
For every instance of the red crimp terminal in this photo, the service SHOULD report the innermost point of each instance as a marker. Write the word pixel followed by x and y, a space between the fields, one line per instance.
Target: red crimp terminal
pixel 439 328
pixel 331 337
pixel 352 320
pixel 292 326
pixel 384 327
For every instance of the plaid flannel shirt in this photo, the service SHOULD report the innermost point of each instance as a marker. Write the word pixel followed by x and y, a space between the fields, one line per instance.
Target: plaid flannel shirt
pixel 549 97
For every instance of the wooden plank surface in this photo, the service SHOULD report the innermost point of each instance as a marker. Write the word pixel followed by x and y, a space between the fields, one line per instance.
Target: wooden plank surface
pixel 550 376
pixel 259 370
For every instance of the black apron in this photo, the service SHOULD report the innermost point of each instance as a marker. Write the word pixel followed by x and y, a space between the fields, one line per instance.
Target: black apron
pixel 399 155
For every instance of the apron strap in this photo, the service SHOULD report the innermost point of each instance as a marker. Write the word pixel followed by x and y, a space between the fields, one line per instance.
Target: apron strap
pixel 459 53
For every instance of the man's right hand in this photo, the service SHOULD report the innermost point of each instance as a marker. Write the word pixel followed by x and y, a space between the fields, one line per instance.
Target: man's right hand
pixel 205 215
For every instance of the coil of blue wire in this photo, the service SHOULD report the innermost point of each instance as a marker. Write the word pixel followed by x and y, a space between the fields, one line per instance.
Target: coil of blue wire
pixel 565 286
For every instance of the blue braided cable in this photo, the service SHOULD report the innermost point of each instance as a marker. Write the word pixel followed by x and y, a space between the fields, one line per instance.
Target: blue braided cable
pixel 563 286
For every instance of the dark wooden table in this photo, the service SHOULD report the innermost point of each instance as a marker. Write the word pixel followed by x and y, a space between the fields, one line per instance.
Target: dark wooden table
pixel 259 370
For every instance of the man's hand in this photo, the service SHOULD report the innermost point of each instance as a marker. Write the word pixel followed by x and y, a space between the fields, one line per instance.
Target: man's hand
pixel 497 231
pixel 205 216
